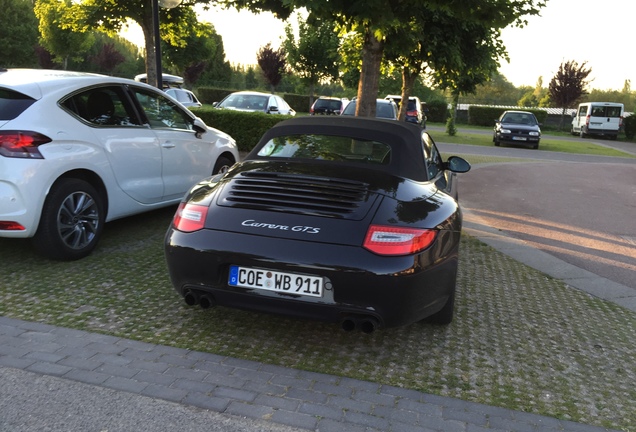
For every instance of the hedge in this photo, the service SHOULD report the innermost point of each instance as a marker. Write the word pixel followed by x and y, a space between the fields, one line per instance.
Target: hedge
pixel 245 127
pixel 485 116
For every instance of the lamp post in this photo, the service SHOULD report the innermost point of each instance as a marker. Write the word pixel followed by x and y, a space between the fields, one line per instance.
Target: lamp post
pixel 168 4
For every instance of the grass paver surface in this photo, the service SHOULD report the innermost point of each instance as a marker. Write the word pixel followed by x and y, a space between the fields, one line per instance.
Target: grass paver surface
pixel 520 339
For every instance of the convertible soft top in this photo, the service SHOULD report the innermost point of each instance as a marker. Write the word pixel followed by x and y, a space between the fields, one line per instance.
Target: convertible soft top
pixel 404 138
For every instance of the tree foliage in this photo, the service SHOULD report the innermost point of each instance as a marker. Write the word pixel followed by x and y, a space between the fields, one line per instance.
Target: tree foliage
pixel 63 42
pixel 18 34
pixel 376 21
pixel 568 84
pixel 314 56
pixel 272 63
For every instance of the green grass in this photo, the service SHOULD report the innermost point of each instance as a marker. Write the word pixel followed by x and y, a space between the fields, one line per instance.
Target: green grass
pixel 520 339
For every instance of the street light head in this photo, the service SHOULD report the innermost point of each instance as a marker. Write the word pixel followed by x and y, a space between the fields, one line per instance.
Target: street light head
pixel 169 4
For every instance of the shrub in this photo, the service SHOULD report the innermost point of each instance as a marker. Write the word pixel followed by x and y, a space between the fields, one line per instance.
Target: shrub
pixel 629 125
pixel 485 116
pixel 245 127
pixel 437 110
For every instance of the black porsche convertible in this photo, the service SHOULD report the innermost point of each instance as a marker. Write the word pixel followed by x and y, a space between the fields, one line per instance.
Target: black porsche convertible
pixel 342 219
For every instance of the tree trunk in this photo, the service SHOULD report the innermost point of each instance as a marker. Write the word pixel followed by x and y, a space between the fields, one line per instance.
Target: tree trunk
pixel 149 42
pixel 408 81
pixel 369 83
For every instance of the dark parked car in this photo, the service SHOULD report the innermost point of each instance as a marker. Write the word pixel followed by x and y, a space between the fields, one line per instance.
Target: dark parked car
pixel 326 105
pixel 517 127
pixel 385 109
pixel 256 101
pixel 341 219
pixel 414 112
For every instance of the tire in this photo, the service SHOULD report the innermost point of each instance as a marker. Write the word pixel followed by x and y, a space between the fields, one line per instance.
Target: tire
pixel 445 314
pixel 495 140
pixel 71 222
pixel 222 165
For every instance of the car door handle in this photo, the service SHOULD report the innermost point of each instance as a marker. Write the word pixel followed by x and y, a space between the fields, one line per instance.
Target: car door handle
pixel 167 144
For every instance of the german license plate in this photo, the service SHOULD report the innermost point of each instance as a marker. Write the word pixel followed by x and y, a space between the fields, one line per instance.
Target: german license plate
pixel 516 138
pixel 275 281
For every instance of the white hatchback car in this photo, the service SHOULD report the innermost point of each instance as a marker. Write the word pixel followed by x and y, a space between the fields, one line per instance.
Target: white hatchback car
pixel 78 150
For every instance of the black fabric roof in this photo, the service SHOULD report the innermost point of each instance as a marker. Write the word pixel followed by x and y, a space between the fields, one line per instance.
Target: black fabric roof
pixel 404 138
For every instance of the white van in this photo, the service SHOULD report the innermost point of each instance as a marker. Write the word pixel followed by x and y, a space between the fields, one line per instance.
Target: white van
pixel 598 118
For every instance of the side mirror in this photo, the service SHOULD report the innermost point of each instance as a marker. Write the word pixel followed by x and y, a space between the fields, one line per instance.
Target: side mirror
pixel 214 104
pixel 273 109
pixel 457 164
pixel 573 114
pixel 199 127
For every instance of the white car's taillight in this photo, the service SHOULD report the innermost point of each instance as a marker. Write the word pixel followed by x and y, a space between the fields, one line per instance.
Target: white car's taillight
pixel 389 240
pixel 190 217
pixel 22 144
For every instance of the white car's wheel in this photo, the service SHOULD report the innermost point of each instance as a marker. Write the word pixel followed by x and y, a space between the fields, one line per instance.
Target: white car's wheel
pixel 71 222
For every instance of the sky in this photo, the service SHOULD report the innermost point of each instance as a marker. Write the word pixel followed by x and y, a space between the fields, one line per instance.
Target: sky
pixel 598 32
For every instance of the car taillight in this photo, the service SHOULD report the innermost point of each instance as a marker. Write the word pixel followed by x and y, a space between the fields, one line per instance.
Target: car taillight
pixel 190 217
pixel 587 120
pixel 388 240
pixel 22 144
pixel 411 113
pixel 11 226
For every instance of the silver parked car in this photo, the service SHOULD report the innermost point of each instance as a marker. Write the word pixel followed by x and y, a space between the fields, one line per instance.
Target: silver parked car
pixel 255 101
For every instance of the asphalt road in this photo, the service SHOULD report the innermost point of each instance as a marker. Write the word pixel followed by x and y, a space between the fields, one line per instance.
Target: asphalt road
pixel 581 209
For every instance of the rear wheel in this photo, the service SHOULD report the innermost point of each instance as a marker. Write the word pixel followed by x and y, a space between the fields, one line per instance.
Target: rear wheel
pixel 71 222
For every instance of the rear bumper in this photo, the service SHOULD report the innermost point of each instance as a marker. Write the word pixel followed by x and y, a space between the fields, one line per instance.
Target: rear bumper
pixel 392 291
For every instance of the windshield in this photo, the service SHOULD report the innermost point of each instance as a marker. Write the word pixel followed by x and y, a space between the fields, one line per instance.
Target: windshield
pixel 519 118
pixel 327 147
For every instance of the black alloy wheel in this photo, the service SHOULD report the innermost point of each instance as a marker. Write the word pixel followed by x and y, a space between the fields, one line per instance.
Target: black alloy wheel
pixel 71 222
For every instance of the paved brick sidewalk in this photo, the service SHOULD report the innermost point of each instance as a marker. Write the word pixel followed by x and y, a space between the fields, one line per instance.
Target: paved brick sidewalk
pixel 295 399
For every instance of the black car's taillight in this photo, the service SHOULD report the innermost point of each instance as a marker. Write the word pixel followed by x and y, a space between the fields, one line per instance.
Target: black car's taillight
pixel 190 217
pixel 22 144
pixel 389 240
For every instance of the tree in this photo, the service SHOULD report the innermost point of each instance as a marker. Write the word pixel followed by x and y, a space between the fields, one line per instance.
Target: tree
pixel 18 34
pixel 195 51
pixel 61 41
pixel 108 58
pixel 272 64
pixel 568 85
pixel 314 57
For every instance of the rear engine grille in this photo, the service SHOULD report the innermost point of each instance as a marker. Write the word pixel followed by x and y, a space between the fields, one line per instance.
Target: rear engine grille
pixel 297 193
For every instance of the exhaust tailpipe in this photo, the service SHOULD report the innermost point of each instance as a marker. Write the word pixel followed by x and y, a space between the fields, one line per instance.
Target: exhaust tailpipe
pixel 349 324
pixel 190 298
pixel 207 302
pixel 368 325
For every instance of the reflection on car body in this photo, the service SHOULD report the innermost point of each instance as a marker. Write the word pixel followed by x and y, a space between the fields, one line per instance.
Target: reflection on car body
pixel 334 218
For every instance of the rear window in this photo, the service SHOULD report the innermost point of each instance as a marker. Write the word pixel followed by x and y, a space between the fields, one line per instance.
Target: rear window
pixel 13 103
pixel 329 104
pixel 606 111
pixel 328 148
